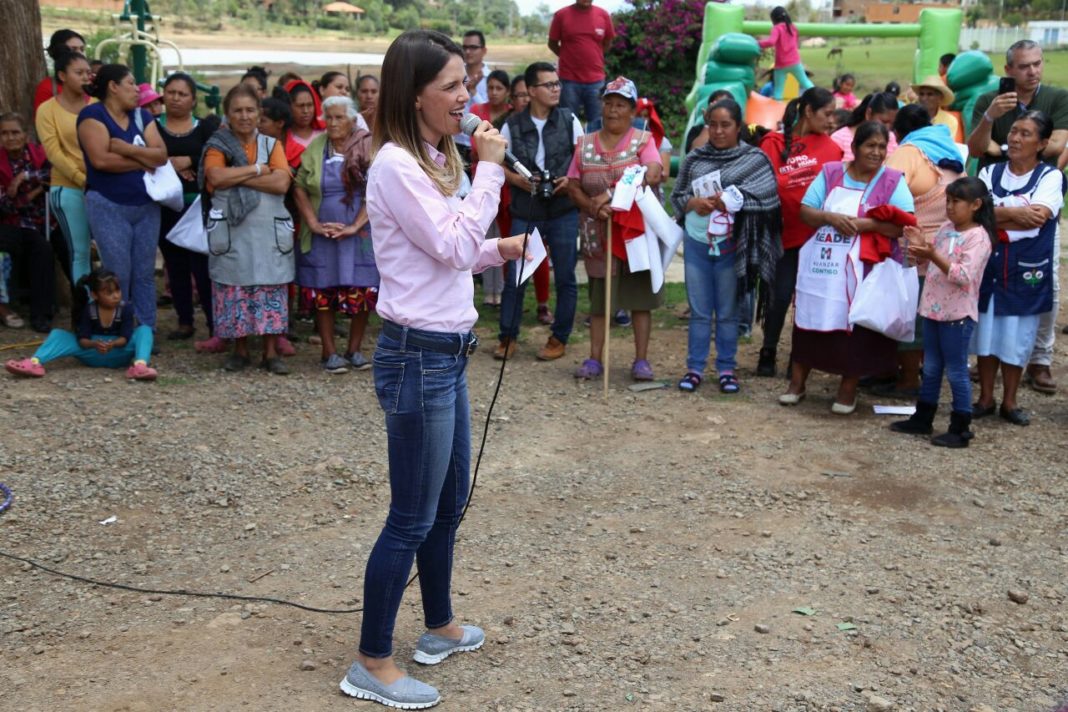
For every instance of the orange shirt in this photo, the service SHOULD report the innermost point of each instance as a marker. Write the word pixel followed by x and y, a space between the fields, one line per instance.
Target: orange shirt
pixel 214 158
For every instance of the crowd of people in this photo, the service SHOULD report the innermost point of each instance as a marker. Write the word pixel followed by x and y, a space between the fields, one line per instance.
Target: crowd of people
pixel 281 179
pixel 324 197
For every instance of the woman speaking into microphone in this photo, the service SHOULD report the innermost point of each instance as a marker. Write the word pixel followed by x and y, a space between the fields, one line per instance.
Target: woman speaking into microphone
pixel 427 243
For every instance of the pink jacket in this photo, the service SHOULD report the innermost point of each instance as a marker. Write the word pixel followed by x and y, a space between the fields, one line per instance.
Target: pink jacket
pixel 785 43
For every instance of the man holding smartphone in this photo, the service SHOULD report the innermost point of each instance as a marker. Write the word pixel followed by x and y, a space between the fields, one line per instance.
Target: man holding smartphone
pixel 1019 91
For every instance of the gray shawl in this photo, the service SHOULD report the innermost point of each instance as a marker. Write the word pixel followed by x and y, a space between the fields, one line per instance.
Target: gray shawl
pixel 757 226
pixel 240 201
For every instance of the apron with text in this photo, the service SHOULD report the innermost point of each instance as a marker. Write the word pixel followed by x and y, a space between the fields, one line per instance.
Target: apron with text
pixel 827 273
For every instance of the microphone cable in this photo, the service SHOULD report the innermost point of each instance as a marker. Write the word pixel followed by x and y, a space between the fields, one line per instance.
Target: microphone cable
pixel 516 318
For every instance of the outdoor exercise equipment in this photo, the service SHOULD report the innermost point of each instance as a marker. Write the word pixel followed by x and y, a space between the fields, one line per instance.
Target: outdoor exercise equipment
pixel 139 44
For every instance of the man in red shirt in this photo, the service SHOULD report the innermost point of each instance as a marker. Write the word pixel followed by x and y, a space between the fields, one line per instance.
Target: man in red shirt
pixel 579 35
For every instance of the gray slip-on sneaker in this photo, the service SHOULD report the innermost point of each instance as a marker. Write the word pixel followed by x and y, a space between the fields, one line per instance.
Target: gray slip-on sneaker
pixel 358 361
pixel 335 364
pixel 406 693
pixel 432 649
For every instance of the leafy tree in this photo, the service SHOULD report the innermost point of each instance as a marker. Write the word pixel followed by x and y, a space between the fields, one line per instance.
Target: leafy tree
pixel 656 46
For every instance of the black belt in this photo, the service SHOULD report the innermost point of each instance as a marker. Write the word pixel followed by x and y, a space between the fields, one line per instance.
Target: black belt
pixel 441 342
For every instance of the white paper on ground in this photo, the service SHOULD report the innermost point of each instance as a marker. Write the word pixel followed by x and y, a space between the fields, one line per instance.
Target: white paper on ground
pixel 894 409
pixel 638 253
pixel 536 249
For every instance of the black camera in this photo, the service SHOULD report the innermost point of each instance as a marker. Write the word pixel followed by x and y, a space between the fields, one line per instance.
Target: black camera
pixel 544 187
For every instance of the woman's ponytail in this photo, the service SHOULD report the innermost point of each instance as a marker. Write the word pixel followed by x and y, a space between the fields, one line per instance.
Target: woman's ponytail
pixel 789 120
pixel 79 300
pixel 813 99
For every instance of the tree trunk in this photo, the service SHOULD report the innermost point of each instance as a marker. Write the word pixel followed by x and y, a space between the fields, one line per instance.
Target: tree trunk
pixel 21 55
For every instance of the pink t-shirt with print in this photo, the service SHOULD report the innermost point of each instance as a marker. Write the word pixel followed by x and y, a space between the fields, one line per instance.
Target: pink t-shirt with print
pixel 955 296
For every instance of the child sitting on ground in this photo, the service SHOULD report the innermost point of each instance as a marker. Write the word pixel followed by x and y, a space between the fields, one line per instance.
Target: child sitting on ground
pixel 105 338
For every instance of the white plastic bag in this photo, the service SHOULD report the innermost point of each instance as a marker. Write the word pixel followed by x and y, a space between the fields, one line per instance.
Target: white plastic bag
pixel 189 231
pixel 164 187
pixel 886 301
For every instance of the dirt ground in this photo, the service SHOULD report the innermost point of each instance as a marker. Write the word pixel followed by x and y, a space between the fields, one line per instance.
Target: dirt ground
pixel 647 550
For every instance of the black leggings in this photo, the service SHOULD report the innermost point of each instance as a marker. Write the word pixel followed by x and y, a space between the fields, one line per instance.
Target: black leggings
pixel 785 281
pixel 31 252
pixel 184 266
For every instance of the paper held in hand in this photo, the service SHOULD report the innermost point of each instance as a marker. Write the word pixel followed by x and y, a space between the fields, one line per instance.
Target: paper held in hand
pixel 627 187
pixel 536 250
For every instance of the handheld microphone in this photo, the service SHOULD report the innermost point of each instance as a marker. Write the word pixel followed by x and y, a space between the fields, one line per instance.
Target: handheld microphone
pixel 469 123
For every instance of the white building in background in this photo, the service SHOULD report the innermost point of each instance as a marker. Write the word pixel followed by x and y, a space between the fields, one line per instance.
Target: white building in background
pixel 1049 34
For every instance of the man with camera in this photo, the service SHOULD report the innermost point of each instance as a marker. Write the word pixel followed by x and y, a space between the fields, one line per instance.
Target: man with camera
pixel 1022 90
pixel 543 138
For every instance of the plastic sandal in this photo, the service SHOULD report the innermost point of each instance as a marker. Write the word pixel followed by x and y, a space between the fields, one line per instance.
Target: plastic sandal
pixel 641 370
pixel 590 368
pixel 690 382
pixel 728 383
pixel 25 367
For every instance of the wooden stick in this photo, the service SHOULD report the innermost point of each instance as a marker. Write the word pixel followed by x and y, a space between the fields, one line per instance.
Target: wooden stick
pixel 607 305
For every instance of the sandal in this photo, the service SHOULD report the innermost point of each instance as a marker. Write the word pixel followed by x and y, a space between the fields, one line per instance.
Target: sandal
pixel 728 383
pixel 590 368
pixel 690 382
pixel 12 320
pixel 641 370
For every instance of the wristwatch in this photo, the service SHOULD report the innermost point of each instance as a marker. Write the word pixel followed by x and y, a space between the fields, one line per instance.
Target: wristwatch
pixel 1004 149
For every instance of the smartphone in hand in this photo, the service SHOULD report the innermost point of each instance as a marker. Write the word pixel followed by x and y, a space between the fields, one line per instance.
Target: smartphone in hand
pixel 1006 85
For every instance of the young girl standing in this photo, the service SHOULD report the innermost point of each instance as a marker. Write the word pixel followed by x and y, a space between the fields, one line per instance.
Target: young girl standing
pixel 843 86
pixel 105 338
pixel 950 306
pixel 787 59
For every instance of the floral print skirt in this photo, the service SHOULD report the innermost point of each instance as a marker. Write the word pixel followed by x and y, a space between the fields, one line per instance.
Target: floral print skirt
pixel 347 300
pixel 249 311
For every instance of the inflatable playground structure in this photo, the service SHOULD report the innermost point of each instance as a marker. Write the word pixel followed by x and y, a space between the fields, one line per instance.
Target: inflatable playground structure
pixel 729 53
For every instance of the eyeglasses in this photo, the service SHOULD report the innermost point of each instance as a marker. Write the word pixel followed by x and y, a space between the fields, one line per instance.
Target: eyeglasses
pixel 520 96
pixel 471 47
pixel 548 85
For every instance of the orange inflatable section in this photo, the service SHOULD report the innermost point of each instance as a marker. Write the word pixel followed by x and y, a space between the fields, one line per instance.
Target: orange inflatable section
pixel 763 111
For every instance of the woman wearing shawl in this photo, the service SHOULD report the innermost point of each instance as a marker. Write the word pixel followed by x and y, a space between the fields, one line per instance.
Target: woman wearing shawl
pixel 728 196
pixel 930 161
pixel 307 110
pixel 859 208
pixel 250 233
pixel 336 262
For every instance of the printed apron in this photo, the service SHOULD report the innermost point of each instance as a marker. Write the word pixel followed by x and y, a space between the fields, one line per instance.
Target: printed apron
pixel 828 270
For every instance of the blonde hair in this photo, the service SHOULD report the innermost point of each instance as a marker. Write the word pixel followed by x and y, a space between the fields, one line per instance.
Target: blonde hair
pixel 413 60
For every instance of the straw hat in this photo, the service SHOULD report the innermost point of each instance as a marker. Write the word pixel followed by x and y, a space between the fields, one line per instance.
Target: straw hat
pixel 935 82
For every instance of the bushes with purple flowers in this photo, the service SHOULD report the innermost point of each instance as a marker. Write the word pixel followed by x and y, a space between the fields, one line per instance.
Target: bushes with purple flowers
pixel 656 46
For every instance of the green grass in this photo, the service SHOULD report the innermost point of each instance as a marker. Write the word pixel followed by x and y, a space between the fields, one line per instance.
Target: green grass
pixel 881 61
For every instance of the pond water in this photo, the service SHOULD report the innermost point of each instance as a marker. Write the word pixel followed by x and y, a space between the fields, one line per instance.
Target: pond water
pixel 192 58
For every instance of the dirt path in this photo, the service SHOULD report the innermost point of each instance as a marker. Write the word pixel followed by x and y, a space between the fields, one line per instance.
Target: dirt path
pixel 618 554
